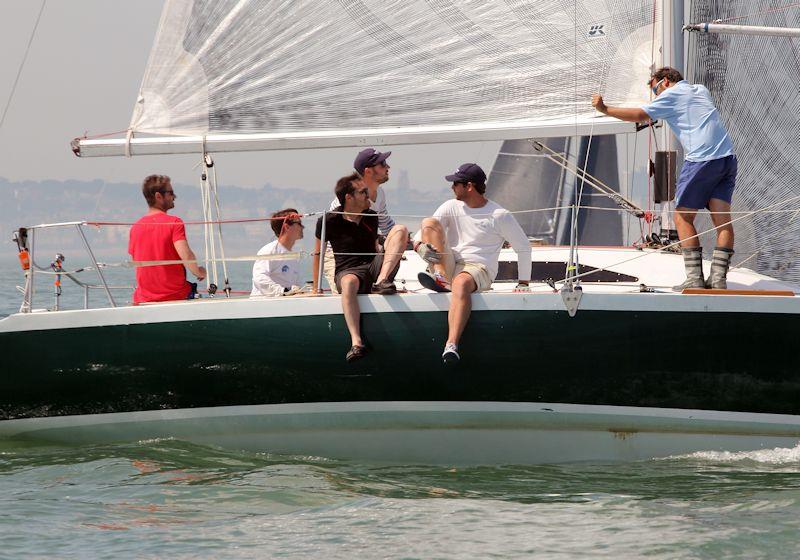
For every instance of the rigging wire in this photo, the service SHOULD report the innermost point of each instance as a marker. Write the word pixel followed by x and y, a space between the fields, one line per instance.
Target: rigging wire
pixel 22 64
pixel 771 11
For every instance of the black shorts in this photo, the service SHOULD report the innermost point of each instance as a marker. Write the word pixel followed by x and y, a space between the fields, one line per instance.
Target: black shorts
pixel 367 274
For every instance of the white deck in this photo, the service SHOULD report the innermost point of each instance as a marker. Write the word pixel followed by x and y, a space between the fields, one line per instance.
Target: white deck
pixel 656 270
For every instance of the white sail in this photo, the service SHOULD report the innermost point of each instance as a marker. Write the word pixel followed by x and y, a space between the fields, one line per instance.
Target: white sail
pixel 277 74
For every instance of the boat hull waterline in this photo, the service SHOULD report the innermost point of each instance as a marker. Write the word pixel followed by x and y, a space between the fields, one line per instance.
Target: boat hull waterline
pixel 431 432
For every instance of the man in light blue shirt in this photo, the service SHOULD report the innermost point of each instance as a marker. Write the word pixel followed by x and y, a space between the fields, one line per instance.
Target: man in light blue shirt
pixel 708 175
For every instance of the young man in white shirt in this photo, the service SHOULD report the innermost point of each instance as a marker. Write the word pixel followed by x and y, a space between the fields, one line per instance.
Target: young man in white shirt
pixel 279 277
pixel 462 242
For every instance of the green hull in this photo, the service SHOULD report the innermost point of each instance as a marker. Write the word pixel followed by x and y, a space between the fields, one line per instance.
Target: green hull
pixel 713 361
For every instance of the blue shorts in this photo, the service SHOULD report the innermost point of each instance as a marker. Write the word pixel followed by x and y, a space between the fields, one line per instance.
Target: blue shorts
pixel 700 181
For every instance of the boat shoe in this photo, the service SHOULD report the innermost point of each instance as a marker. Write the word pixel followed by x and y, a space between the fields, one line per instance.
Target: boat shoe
pixel 384 288
pixel 356 353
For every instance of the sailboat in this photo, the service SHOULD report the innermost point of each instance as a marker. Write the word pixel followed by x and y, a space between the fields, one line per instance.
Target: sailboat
pixel 601 360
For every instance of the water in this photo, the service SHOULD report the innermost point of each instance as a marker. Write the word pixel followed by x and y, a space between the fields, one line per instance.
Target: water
pixel 167 498
pixel 72 295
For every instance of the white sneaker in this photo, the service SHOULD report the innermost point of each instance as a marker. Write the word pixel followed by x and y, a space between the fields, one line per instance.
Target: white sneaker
pixel 450 354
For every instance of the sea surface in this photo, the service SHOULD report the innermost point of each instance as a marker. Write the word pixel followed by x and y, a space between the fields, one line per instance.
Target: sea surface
pixel 174 499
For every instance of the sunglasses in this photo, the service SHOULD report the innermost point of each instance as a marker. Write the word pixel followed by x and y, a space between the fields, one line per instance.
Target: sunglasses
pixel 296 224
pixel 654 88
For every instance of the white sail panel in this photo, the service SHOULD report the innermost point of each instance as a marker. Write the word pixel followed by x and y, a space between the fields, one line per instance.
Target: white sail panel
pixel 289 67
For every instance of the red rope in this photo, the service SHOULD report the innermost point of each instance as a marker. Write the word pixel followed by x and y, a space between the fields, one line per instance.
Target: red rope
pixel 773 10
pixel 196 223
pixel 87 137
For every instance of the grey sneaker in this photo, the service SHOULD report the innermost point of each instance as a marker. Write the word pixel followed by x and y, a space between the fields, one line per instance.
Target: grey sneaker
pixel 450 354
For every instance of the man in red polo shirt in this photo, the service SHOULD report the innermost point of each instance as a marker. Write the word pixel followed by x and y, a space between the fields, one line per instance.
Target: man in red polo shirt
pixel 156 236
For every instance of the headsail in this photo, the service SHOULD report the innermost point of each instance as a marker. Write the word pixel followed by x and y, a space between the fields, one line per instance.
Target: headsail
pixel 262 74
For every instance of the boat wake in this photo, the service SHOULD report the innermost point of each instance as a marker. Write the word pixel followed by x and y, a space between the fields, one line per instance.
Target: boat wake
pixel 775 456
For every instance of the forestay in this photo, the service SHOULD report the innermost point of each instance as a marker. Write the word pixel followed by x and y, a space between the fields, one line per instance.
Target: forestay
pixel 277 74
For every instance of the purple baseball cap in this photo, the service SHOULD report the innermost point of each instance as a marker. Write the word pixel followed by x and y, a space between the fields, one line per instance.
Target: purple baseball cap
pixel 468 173
pixel 368 158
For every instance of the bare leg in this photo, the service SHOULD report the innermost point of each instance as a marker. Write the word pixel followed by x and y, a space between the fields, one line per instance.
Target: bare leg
pixel 433 233
pixel 460 306
pixel 352 313
pixel 684 221
pixel 394 246
pixel 721 221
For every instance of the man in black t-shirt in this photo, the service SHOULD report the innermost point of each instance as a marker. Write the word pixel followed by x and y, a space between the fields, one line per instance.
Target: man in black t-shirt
pixel 361 267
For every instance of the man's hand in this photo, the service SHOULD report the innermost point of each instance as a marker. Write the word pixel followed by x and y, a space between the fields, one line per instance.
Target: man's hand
pixel 522 288
pixel 599 104
pixel 428 253
pixel 201 273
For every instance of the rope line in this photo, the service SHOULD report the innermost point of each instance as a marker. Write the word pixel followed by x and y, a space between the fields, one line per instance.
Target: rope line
pixel 415 216
pixel 22 64
pixel 675 243
pixel 773 10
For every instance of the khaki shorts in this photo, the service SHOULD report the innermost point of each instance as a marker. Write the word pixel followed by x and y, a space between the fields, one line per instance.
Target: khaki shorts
pixel 329 268
pixel 478 271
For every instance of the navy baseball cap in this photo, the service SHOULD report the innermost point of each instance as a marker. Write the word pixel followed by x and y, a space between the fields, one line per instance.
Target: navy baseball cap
pixel 369 158
pixel 468 173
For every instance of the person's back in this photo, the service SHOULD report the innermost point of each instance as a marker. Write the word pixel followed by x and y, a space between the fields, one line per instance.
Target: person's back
pixel 157 236
pixel 153 238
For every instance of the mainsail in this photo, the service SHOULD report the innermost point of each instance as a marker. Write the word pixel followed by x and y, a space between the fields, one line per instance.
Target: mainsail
pixel 753 80
pixel 276 74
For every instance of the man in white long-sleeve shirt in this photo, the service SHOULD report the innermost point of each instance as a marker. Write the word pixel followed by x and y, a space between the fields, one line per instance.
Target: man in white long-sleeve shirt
pixel 279 277
pixel 373 170
pixel 462 243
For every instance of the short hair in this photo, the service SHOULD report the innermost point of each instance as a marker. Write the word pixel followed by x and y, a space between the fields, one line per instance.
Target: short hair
pixel 277 224
pixel 480 187
pixel 344 186
pixel 669 73
pixel 153 184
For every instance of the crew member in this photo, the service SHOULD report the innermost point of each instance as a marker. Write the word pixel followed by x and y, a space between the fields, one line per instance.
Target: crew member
pixel 708 175
pixel 462 243
pixel 157 236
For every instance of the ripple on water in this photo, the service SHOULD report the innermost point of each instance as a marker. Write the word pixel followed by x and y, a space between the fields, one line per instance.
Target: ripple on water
pixel 166 497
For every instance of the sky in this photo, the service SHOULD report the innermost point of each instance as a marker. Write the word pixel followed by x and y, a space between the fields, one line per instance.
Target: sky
pixel 82 74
